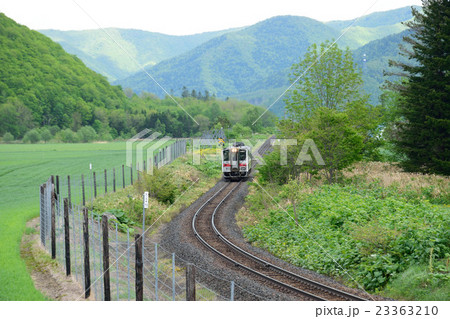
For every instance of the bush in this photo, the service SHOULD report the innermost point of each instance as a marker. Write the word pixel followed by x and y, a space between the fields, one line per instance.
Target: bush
pixel 32 136
pixel 160 186
pixel 68 136
pixel 86 134
pixel 8 137
pixel 46 135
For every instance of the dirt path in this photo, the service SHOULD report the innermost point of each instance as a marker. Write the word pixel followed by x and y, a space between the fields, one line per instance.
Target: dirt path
pixel 48 276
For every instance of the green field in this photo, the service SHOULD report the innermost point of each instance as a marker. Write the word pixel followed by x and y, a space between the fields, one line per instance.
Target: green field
pixel 23 167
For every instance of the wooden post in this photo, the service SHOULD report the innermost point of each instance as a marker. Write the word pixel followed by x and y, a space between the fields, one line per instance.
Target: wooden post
pixel 82 190
pixel 114 179
pixel 87 268
pixel 190 282
pixel 106 183
pixel 95 185
pixel 67 235
pixel 131 173
pixel 106 277
pixel 139 268
pixel 53 219
pixel 123 176
pixel 68 190
pixel 57 185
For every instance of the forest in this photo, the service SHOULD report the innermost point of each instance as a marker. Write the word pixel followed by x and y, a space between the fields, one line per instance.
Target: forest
pixel 47 94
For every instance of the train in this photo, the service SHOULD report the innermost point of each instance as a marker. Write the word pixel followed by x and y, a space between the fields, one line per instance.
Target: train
pixel 236 162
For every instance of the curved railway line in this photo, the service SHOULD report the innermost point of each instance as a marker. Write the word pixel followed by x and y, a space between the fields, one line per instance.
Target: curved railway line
pixel 207 231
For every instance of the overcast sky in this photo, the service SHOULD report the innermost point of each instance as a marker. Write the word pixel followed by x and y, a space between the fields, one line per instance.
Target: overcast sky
pixel 180 17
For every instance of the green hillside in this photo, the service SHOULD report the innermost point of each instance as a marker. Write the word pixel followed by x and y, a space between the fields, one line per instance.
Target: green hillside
pixel 253 63
pixel 238 61
pixel 41 84
pixel 104 50
pixel 377 54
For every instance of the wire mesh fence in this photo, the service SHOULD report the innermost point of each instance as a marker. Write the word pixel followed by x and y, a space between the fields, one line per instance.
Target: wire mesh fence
pixel 112 267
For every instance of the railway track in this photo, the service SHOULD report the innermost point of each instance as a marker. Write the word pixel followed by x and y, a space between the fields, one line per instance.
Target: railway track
pixel 207 231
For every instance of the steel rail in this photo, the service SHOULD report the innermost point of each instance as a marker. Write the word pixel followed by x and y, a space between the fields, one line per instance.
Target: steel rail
pixel 236 263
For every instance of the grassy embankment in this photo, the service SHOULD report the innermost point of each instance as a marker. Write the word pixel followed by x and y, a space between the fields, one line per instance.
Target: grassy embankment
pixel 387 231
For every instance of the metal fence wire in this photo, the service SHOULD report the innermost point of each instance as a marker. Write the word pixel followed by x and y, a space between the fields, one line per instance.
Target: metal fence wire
pixel 164 274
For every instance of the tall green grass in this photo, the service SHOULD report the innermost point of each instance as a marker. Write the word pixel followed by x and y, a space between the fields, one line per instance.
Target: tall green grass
pixel 22 169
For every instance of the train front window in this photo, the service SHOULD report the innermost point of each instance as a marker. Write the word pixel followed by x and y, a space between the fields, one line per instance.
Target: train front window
pixel 226 155
pixel 234 156
pixel 242 155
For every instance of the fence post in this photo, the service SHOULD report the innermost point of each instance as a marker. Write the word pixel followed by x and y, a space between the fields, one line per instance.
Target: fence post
pixel 68 190
pixel 82 190
pixel 173 277
pixel 53 218
pixel 232 291
pixel 67 235
pixel 123 176
pixel 131 173
pixel 139 268
pixel 114 179
pixel 117 263
pixel 87 269
pixel 128 262
pixel 106 277
pixel 57 185
pixel 106 183
pixel 42 213
pixel 156 271
pixel 95 185
pixel 190 282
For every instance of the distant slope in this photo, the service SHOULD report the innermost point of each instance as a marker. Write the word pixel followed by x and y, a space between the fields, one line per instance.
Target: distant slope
pixel 102 50
pixel 41 84
pixel 238 61
pixel 378 53
pixel 373 26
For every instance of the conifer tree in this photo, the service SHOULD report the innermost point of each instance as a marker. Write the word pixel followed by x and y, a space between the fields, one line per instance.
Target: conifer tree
pixel 424 133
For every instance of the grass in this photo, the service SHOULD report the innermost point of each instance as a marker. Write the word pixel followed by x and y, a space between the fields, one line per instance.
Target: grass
pixel 23 167
pixel 387 228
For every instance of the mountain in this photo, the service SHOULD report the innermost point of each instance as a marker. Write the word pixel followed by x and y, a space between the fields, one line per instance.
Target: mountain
pixel 377 55
pixel 237 61
pixel 118 53
pixel 253 63
pixel 41 84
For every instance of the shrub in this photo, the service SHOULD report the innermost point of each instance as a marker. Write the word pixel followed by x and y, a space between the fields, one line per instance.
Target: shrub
pixel 46 135
pixel 86 134
pixel 8 137
pixel 32 136
pixel 68 136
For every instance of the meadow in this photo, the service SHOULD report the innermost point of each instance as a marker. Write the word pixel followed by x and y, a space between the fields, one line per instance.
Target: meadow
pixel 23 167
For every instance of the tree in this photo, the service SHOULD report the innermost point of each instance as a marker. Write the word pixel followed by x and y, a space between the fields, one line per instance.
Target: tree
pixel 423 135
pixel 8 137
pixel 327 77
pixel 86 134
pixel 32 136
pixel 46 135
pixel 338 142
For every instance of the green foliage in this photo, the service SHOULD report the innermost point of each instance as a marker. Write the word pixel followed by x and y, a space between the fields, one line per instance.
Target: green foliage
pixel 423 135
pixel 160 185
pixel 337 141
pixel 8 137
pixel 371 234
pixel 33 136
pixel 124 223
pixel 328 77
pixel 86 134
pixel 419 283
pixel 68 136
pixel 46 135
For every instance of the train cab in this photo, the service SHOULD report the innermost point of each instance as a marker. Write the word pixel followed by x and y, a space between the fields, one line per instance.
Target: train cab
pixel 236 161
